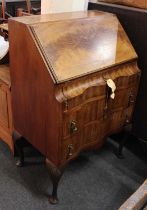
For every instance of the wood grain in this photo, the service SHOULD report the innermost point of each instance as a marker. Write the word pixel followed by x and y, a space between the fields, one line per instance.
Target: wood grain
pixel 89 45
pixel 65 102
pixel 133 3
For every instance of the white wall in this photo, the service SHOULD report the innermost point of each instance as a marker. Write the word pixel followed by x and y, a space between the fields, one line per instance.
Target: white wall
pixel 79 5
pixel 93 1
pixel 57 6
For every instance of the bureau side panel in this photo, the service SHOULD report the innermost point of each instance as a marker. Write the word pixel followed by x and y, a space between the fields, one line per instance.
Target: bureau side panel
pixel 35 110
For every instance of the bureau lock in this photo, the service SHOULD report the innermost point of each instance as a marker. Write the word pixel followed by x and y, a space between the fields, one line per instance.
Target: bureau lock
pixel 73 127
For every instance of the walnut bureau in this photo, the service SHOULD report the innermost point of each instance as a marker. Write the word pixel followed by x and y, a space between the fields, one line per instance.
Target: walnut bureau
pixel 74 79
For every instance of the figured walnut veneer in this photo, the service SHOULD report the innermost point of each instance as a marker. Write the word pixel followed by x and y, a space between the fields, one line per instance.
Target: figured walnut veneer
pixel 96 117
pixel 60 98
pixel 92 43
pixel 133 3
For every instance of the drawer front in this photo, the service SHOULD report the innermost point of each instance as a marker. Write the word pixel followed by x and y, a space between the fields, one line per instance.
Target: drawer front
pixel 72 123
pixel 71 146
pixel 80 124
pixel 92 116
pixel 93 111
pixel 125 93
pixel 90 94
pixel 92 132
pixel 128 114
pixel 123 98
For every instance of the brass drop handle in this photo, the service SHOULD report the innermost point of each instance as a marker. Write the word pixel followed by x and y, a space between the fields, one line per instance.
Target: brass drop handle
pixel 70 150
pixel 131 99
pixel 127 120
pixel 73 127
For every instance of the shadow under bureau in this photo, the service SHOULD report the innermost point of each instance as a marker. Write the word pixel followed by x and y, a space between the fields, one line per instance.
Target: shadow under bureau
pixel 74 79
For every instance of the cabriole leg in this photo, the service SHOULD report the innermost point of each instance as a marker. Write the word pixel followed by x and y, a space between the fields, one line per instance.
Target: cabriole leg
pixel 20 152
pixel 125 136
pixel 119 152
pixel 55 174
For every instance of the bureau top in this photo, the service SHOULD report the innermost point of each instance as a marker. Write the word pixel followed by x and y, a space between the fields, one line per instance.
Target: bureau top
pixel 77 44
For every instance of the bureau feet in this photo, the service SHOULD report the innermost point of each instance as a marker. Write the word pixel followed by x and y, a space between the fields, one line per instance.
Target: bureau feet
pixel 55 175
pixel 119 152
pixel 20 152
pixel 19 144
pixel 125 136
